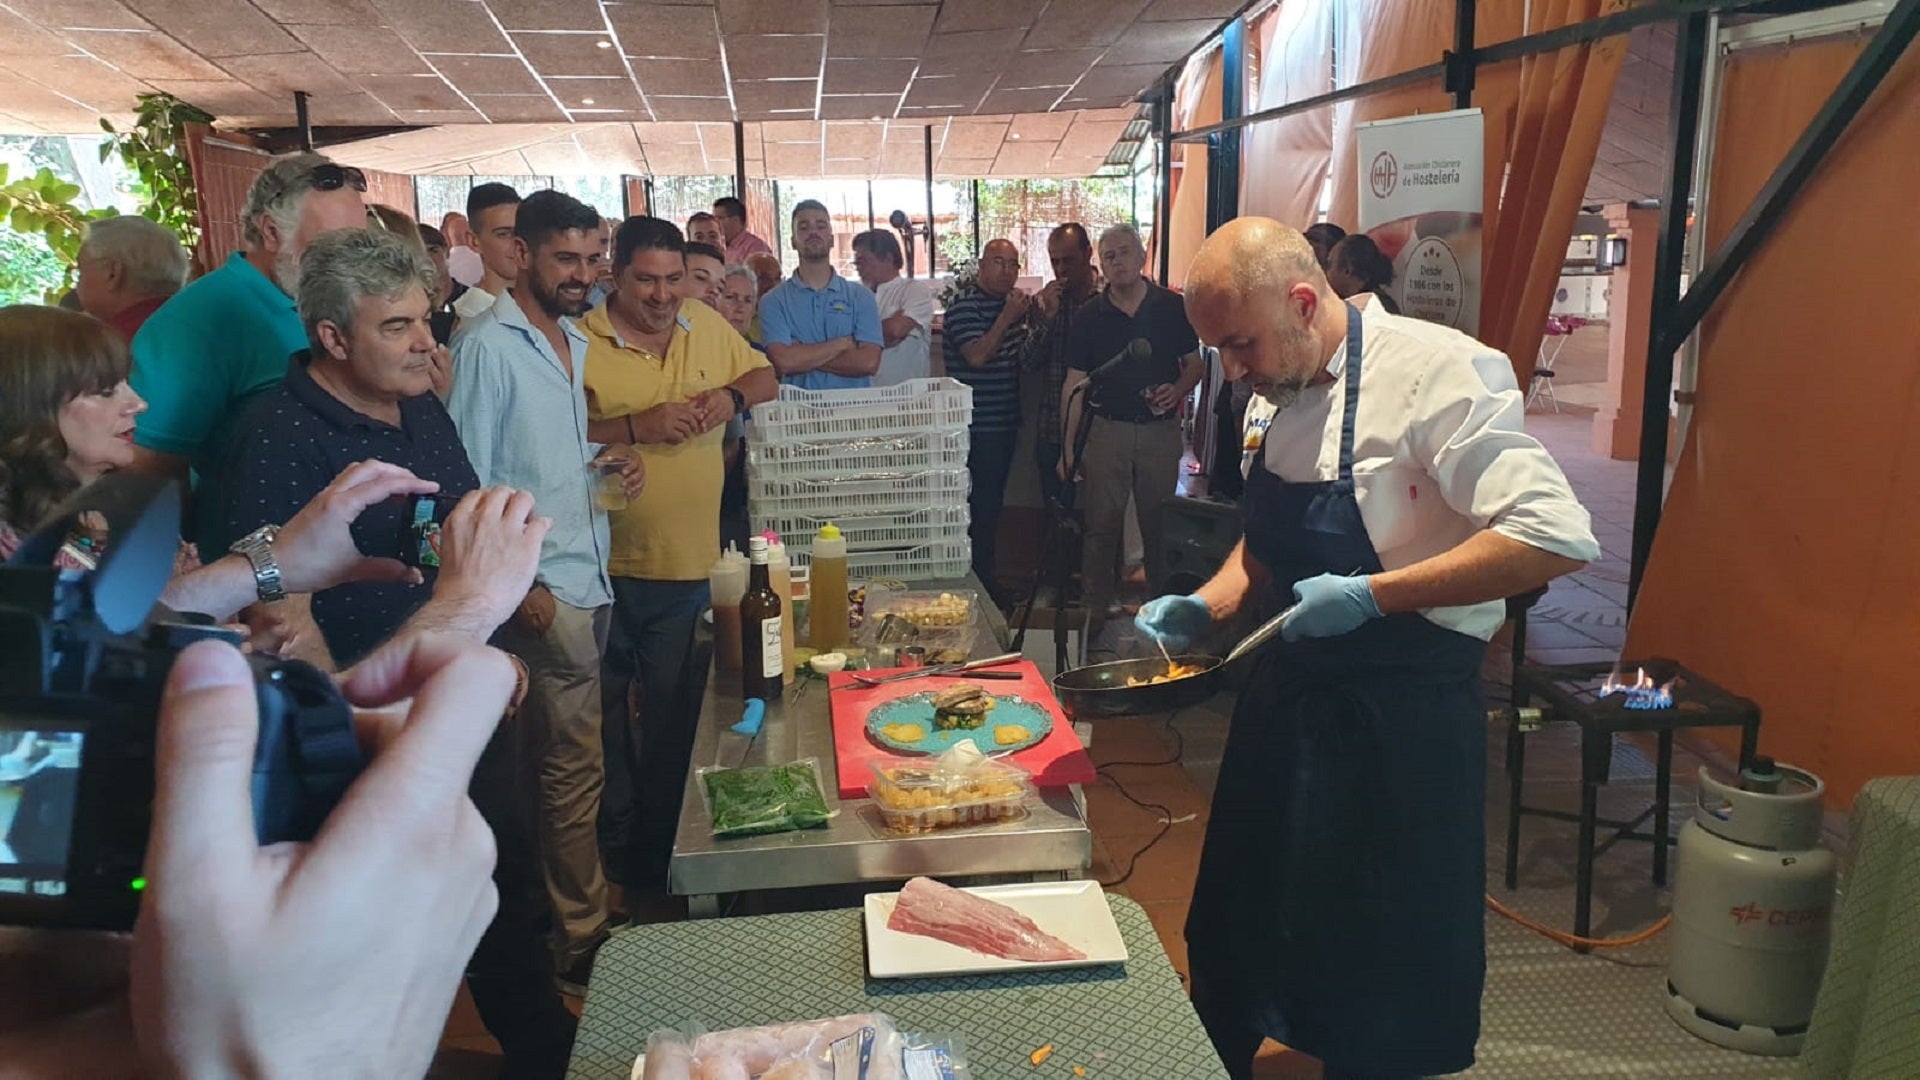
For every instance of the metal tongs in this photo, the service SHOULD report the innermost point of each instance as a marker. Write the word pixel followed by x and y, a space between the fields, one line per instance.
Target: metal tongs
pixel 944 669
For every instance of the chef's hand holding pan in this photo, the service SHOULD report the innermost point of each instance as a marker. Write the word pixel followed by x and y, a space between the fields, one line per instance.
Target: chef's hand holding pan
pixel 1174 621
pixel 1327 606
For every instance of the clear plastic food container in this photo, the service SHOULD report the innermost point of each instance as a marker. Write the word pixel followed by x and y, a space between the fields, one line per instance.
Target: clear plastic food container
pixel 917 797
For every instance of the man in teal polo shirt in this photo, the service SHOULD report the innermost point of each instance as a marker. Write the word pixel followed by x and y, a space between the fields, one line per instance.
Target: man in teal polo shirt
pixel 821 331
pixel 223 339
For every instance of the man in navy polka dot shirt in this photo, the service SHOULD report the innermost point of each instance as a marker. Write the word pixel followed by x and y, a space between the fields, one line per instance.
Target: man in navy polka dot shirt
pixel 363 390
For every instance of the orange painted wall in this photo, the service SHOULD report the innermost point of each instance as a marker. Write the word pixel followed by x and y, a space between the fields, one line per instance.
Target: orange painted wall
pixel 1787 565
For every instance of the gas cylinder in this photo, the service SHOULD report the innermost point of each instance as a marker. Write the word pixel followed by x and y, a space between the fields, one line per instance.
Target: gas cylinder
pixel 1752 908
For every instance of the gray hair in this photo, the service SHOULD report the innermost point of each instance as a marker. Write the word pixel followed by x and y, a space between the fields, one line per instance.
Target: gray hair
pixel 279 190
pixel 1123 229
pixel 341 267
pixel 741 270
pixel 155 263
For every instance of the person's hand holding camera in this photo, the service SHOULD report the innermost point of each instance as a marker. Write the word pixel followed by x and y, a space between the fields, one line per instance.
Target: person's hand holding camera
pixel 489 552
pixel 335 957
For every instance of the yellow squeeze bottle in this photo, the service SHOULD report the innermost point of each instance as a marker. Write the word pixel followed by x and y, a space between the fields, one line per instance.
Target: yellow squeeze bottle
pixel 829 589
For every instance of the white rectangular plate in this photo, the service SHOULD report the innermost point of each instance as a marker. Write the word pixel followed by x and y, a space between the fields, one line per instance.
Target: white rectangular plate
pixel 1076 912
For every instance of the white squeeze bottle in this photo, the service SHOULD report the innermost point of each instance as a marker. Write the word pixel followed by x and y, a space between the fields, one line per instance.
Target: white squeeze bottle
pixel 780 569
pixel 829 621
pixel 728 579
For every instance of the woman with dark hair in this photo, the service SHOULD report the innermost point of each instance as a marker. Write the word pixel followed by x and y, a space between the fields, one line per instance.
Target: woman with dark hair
pixel 1322 237
pixel 1356 265
pixel 66 417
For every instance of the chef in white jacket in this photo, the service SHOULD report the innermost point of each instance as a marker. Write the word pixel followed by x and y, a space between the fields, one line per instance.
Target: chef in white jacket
pixel 1394 502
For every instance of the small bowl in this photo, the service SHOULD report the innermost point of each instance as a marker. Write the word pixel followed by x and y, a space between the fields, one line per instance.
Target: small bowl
pixel 828 663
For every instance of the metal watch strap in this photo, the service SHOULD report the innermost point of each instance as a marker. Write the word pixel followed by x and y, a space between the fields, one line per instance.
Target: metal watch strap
pixel 257 548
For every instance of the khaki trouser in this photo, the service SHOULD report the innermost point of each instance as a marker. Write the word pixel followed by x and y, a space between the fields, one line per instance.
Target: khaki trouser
pixel 1142 460
pixel 561 720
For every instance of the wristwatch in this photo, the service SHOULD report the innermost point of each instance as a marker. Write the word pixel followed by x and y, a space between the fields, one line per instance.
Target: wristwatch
pixel 257 548
pixel 739 401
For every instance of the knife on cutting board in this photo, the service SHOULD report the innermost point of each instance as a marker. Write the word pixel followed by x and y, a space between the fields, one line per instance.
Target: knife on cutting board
pixel 968 670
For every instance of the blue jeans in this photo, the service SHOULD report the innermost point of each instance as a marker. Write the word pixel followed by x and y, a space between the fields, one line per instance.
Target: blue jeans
pixel 651 645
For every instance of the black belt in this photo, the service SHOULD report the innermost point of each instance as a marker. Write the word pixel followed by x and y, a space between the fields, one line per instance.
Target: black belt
pixel 1148 419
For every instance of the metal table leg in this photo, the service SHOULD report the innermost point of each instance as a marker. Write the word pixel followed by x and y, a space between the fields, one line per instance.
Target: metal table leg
pixel 703 906
pixel 1662 805
pixel 1516 777
pixel 1583 871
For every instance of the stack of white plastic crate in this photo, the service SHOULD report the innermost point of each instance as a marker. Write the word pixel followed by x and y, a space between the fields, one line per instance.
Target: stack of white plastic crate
pixel 887 466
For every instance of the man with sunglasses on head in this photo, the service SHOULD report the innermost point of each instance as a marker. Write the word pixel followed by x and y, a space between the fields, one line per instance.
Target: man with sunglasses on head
pixel 226 337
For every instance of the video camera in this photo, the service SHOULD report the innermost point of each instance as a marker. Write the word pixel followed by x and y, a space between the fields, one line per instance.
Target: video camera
pixel 84 656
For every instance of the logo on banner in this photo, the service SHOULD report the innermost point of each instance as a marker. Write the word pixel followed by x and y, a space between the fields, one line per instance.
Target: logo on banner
pixel 1384 174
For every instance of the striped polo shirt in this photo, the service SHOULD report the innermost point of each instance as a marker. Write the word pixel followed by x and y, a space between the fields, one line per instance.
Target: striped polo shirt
pixel 996 384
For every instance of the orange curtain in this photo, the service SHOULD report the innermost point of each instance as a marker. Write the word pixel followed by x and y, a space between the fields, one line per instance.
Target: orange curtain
pixel 1560 110
pixel 1784 568
pixel 1196 103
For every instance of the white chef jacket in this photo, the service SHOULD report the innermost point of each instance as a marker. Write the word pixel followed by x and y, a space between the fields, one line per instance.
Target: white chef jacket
pixel 1439 452
pixel 912 358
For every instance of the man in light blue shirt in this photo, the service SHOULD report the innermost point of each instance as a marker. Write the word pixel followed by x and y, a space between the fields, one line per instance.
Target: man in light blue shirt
pixel 222 340
pixel 821 331
pixel 519 402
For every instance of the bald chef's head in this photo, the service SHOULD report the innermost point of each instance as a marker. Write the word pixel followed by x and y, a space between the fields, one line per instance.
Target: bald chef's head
pixel 1256 293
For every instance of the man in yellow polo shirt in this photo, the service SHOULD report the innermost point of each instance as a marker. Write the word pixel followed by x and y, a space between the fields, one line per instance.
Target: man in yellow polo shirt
pixel 664 376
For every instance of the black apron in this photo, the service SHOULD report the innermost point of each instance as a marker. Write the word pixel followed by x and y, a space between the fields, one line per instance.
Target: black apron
pixel 1338 905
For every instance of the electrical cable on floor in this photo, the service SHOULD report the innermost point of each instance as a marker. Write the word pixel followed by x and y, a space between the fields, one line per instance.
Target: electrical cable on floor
pixel 1166 812
pixel 1166 826
pixel 1574 941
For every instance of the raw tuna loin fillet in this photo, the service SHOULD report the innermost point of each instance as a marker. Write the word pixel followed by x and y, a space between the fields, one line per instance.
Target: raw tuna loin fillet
pixel 942 912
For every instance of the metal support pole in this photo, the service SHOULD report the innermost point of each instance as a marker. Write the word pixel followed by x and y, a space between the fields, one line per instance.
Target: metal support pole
pixel 739 160
pixel 1460 61
pixel 976 216
pixel 1683 128
pixel 1163 213
pixel 870 225
pixel 302 122
pixel 1769 207
pixel 932 249
pixel 646 185
pixel 779 244
pixel 1223 148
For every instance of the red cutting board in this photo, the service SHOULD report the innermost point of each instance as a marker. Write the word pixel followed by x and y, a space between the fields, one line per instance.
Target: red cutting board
pixel 1055 761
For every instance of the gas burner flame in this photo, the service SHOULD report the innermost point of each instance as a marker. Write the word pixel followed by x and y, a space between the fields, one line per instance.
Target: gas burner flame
pixel 1641 691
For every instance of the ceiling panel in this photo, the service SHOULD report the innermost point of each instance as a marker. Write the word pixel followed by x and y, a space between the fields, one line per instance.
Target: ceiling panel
pixel 868 76
pixel 1071 24
pixel 665 30
pixel 488 74
pixel 94 14
pixel 517 108
pixel 1028 99
pixel 413 92
pixel 681 78
pixel 571 55
pixel 282 75
pixel 321 12
pixel 141 55
pixel 1173 10
pixel 775 56
pixel 761 98
pixel 768 17
pixel 985 15
pixel 453 26
pixel 857 106
pixel 217 28
pixel 547 14
pixel 577 94
pixel 362 50
pixel 898 31
pixel 690 108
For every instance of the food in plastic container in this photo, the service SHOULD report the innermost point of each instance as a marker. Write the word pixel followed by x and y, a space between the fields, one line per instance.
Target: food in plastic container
pixel 926 609
pixel 960 787
pixel 765 799
pixel 862 1046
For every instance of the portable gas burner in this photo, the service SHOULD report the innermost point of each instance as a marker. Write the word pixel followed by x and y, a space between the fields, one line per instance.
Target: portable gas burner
pixel 1655 696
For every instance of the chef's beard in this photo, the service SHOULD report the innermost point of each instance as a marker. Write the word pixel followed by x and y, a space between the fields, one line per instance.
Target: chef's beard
pixel 1281 395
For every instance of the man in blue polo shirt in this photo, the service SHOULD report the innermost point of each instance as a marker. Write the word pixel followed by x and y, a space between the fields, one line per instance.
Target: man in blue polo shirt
pixel 223 339
pixel 821 331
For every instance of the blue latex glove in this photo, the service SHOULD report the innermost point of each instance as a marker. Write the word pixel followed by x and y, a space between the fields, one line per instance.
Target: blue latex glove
pixel 1174 621
pixel 751 717
pixel 1329 605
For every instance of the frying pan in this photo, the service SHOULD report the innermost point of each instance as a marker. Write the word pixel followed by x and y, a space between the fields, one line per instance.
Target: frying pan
pixel 1099 690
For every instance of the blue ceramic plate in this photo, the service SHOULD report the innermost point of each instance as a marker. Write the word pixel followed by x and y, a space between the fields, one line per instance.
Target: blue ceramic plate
pixel 918 709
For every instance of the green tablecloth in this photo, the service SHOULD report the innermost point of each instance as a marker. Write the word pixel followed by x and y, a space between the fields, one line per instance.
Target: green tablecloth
pixel 1121 1023
pixel 1865 1023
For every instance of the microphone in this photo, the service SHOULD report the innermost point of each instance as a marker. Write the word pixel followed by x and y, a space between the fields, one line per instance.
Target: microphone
pixel 1137 349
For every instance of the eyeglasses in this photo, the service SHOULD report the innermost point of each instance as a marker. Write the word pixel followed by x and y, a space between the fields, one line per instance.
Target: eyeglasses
pixel 1001 264
pixel 331 177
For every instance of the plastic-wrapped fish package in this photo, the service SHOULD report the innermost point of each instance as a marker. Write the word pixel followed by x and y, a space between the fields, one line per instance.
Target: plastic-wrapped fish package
pixel 864 1046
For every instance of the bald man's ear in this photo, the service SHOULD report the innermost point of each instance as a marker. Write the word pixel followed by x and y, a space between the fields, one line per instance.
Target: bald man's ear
pixel 1305 300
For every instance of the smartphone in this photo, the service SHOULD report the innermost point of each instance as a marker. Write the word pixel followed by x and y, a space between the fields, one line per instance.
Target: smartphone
pixel 420 528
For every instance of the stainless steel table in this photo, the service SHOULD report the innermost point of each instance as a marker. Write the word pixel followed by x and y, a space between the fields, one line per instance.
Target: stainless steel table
pixel 1051 842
